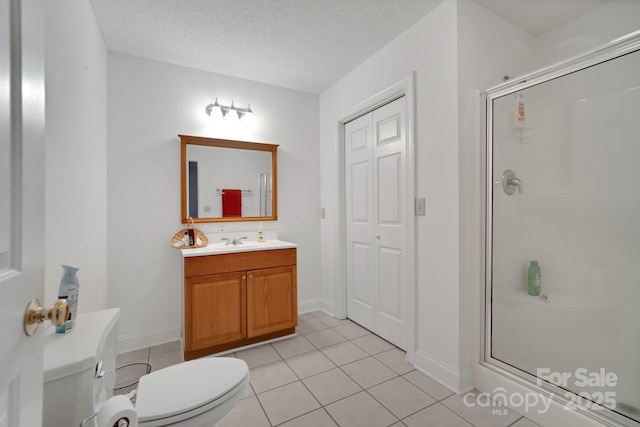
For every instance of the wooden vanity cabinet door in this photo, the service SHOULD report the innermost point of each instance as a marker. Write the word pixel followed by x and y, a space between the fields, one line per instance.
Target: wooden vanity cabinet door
pixel 272 301
pixel 215 310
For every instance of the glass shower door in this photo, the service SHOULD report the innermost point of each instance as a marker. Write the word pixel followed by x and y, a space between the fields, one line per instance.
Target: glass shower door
pixel 564 164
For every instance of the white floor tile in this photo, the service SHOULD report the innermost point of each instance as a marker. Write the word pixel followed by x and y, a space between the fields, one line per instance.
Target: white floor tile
pixel 317 418
pixel 267 377
pixel 360 410
pixel 293 346
pixel 343 353
pixel 247 413
pixel 395 359
pixel 310 325
pixel 436 415
pixel 331 386
pixel 287 402
pixel 325 338
pixel 372 344
pixel 258 356
pixel 368 372
pixel 478 415
pixel 352 331
pixel 525 422
pixel 401 397
pixel 164 360
pixel 332 322
pixel 428 385
pixel 309 364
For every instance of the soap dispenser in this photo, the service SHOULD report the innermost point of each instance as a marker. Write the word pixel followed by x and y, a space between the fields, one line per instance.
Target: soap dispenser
pixel 260 234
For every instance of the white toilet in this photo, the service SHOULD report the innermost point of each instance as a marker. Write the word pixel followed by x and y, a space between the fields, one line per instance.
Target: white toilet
pixel 79 375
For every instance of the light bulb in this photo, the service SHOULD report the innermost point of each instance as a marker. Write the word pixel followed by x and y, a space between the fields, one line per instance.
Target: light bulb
pixel 214 110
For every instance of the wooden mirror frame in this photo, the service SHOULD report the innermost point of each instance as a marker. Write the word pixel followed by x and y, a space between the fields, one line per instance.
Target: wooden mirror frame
pixel 186 140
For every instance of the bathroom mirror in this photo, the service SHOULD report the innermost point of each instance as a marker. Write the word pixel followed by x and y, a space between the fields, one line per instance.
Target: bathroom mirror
pixel 228 181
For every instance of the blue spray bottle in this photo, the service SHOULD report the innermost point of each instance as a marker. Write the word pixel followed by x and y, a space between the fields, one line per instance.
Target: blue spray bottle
pixel 69 286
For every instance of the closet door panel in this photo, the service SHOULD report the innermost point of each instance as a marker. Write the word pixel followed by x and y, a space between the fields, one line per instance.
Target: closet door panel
pixel 390 201
pixel 360 220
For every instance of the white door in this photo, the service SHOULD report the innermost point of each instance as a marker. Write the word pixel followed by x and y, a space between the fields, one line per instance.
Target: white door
pixel 376 198
pixel 21 208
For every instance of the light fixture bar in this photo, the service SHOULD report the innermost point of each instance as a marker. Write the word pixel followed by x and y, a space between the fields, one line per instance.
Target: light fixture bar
pixel 224 110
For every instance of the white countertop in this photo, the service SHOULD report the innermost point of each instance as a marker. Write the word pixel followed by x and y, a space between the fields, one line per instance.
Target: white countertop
pixel 218 248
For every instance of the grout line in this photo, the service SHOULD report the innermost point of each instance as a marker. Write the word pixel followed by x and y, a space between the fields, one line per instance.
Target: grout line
pixel 420 410
pixel 382 404
pixel 305 386
pixel 513 423
pixel 263 411
pixel 458 415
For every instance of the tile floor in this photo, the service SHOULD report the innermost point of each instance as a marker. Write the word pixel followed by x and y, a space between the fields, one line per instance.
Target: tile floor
pixel 336 373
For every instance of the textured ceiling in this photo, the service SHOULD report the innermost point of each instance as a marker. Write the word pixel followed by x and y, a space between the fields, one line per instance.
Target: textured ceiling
pixel 299 44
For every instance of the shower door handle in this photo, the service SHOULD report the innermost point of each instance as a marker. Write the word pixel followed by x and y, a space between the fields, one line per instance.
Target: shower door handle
pixel 510 182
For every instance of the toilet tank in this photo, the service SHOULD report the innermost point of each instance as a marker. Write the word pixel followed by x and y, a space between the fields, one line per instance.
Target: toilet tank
pixel 79 368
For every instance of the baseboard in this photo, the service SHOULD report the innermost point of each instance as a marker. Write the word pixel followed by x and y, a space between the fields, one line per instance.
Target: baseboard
pixel 148 339
pixel 328 306
pixel 314 304
pixel 459 381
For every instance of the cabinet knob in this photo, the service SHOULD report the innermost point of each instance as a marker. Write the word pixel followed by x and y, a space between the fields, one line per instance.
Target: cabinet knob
pixel 250 276
pixel 244 277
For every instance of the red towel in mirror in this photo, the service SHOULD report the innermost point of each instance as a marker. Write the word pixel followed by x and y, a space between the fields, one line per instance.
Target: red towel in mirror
pixel 231 202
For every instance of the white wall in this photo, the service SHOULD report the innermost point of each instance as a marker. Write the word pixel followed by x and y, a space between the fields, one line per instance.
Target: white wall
pixel 429 49
pixel 149 103
pixel 488 49
pixel 76 151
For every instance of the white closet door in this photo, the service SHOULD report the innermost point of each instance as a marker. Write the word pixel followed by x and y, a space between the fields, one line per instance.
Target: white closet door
pixel 390 200
pixel 375 161
pixel 360 220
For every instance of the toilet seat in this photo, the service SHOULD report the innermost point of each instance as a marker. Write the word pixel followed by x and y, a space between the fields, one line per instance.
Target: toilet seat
pixel 188 389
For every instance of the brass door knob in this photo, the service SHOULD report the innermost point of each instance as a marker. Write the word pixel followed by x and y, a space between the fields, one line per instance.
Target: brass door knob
pixel 35 314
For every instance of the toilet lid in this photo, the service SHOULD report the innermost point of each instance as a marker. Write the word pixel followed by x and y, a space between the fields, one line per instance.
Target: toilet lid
pixel 185 387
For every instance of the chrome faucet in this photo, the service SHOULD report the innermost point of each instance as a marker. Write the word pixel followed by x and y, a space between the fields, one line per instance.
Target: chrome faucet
pixel 234 240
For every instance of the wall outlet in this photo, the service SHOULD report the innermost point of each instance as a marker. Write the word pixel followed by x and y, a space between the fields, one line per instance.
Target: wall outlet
pixel 420 207
pixel 322 214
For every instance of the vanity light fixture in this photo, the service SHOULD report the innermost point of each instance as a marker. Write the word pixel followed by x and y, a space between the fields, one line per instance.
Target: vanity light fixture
pixel 228 111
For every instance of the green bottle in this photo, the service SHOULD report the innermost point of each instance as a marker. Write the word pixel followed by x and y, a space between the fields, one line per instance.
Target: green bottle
pixel 533 279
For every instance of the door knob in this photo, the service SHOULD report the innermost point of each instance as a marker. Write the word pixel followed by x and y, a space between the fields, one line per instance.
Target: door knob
pixel 35 314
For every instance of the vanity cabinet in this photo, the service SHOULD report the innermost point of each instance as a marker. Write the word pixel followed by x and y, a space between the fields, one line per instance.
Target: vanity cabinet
pixel 235 299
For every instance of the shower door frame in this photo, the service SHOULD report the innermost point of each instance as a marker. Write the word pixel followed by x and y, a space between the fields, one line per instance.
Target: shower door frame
pixel 619 47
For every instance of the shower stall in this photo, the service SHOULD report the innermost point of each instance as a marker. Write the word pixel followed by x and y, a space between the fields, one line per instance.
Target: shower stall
pixel 563 189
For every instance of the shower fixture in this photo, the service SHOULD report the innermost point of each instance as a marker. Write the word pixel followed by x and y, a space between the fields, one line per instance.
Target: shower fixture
pixel 510 182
